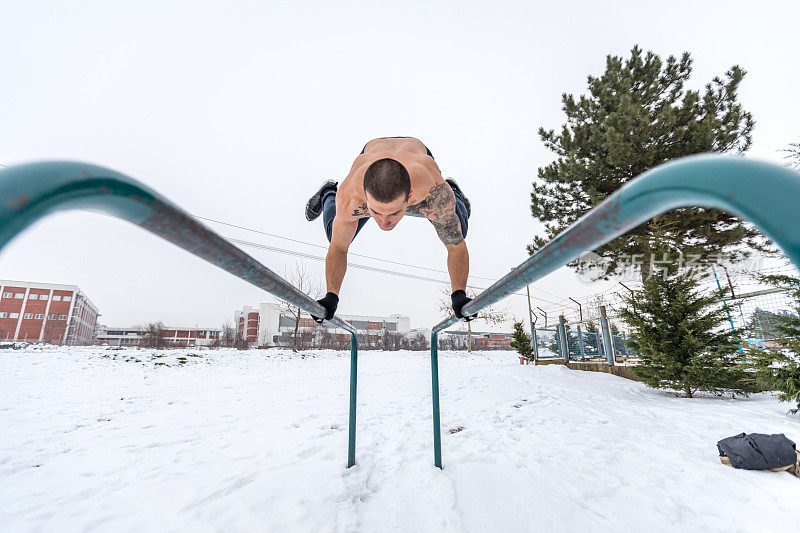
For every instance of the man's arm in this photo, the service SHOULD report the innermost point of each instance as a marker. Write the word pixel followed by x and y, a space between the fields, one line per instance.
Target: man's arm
pixel 458 266
pixel 342 233
pixel 440 208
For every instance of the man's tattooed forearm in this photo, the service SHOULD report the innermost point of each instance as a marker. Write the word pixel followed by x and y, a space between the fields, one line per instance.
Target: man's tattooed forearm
pixel 449 229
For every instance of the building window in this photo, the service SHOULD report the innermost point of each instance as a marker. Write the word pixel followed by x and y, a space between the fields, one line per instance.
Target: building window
pixel 39 316
pixel 19 295
pixel 3 315
pixel 8 295
pixel 52 317
pixel 28 315
pixel 13 315
pixel 32 296
pixel 43 297
pixel 56 298
pixel 62 317
pixel 67 298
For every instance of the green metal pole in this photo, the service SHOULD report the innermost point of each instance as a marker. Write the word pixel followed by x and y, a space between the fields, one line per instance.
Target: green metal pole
pixel 437 426
pixel 762 193
pixel 351 443
pixel 29 192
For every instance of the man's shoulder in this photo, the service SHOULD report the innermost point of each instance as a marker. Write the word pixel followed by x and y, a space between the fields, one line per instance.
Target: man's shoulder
pixel 350 200
pixel 436 199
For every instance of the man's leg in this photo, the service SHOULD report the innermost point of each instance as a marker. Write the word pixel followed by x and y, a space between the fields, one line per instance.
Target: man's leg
pixel 329 213
pixel 462 211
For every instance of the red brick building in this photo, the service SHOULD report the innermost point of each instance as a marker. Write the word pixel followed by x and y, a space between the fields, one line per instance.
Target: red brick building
pixel 247 321
pixel 58 314
pixel 496 341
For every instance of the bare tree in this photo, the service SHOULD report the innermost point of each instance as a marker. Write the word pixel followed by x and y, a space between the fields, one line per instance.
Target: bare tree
pixel 325 338
pixel 793 155
pixel 491 315
pixel 153 336
pixel 306 283
pixel 227 335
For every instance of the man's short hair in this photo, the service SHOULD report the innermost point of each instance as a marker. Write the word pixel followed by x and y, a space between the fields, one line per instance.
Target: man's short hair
pixel 386 180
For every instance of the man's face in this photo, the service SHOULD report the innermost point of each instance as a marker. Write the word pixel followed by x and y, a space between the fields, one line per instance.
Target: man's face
pixel 387 215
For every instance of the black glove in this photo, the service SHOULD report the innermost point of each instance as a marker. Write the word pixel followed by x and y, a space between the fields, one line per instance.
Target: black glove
pixel 329 303
pixel 460 299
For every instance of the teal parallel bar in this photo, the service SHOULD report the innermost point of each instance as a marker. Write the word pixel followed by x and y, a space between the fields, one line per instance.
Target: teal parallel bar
pixel 766 194
pixel 31 191
pixel 351 438
pixel 437 426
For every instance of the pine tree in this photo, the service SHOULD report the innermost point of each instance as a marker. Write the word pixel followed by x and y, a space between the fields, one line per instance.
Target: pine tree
pixel 779 368
pixel 637 115
pixel 679 332
pixel 522 342
pixel 765 324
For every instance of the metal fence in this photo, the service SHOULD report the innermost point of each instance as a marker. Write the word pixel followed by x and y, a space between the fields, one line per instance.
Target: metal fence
pixel 583 345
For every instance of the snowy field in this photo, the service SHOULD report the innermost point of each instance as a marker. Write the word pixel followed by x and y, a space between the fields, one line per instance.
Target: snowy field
pixel 93 439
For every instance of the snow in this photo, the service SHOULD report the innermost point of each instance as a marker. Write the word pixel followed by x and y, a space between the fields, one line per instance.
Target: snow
pixel 132 440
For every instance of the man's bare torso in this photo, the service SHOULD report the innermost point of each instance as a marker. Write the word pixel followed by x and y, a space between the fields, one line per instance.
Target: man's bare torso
pixel 430 197
pixel 351 202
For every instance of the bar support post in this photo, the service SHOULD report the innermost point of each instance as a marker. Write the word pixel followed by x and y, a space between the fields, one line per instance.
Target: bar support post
pixel 437 426
pixel 351 425
pixel 608 345
pixel 563 345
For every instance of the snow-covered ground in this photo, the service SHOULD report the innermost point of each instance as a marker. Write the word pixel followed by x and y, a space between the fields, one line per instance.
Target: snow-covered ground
pixel 134 440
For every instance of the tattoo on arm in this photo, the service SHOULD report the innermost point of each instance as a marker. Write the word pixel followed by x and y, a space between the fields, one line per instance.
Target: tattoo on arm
pixel 361 211
pixel 440 208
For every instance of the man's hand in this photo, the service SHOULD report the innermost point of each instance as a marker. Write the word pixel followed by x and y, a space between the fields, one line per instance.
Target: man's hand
pixel 330 303
pixel 460 299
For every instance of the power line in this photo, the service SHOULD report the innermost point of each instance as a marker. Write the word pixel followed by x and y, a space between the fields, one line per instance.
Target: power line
pixel 312 257
pixel 362 267
pixel 325 247
pixel 375 269
pixel 353 253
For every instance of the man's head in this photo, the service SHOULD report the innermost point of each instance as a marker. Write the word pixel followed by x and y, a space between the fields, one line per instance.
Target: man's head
pixel 387 186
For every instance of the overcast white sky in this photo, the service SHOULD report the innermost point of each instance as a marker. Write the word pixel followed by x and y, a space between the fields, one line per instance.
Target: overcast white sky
pixel 238 110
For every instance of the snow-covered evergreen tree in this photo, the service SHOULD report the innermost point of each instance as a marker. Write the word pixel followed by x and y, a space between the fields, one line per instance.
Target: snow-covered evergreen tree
pixel 522 342
pixel 679 331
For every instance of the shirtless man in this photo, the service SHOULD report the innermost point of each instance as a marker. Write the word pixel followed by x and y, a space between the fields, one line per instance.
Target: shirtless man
pixel 392 177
